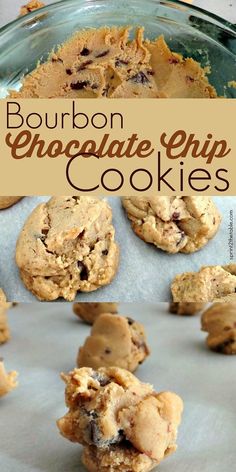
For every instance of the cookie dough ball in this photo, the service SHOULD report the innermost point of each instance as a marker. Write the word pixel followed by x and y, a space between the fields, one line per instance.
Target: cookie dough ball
pixel 67 245
pixel 31 6
pixel 185 308
pixel 114 341
pixel 219 321
pixel 209 283
pixel 122 420
pixel 89 312
pixel 6 202
pixel 173 224
pixel 7 380
pixel 4 328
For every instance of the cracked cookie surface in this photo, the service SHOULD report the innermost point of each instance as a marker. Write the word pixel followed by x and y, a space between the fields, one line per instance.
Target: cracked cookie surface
pixel 6 202
pixel 173 224
pixel 206 285
pixel 111 411
pixel 89 312
pixel 100 63
pixel 114 341
pixel 67 245
pixel 7 380
pixel 219 321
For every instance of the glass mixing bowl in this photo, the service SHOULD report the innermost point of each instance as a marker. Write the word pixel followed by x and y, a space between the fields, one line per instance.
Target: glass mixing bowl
pixel 188 30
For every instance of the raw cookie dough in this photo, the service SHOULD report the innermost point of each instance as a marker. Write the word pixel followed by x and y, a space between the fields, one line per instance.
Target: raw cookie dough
pixel 185 308
pixel 123 423
pixel 89 312
pixel 67 244
pixel 114 341
pixel 7 380
pixel 207 284
pixel 31 6
pixel 6 202
pixel 100 63
pixel 4 328
pixel 173 224
pixel 220 322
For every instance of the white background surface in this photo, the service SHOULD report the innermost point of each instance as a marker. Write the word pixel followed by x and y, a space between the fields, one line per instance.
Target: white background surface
pixel 145 272
pixel 9 9
pixel 45 340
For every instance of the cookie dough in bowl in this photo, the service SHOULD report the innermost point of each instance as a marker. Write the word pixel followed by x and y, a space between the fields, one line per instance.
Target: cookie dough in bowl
pixel 122 423
pixel 100 63
pixel 173 224
pixel 187 47
pixel 67 245
pixel 6 202
pixel 219 321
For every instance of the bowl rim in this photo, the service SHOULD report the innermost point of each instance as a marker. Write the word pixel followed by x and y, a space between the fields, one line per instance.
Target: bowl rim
pixel 21 19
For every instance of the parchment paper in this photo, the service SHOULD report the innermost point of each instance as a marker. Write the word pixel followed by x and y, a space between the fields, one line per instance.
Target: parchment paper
pixel 145 272
pixel 45 339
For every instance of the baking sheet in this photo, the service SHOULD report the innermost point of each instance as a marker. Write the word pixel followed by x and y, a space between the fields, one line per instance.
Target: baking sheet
pixel 45 339
pixel 145 272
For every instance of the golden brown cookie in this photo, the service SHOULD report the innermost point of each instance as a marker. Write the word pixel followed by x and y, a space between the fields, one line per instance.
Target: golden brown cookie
pixel 173 224
pixel 219 321
pixel 109 410
pixel 100 63
pixel 67 245
pixel 185 308
pixel 31 6
pixel 206 285
pixel 114 341
pixel 7 380
pixel 89 312
pixel 6 202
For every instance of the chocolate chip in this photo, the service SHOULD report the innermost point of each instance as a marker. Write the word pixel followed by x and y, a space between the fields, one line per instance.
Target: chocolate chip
pixel 150 72
pixel 84 65
pixel 182 236
pixel 102 379
pixel 102 54
pixel 173 60
pixel 80 85
pixel 94 86
pixel 221 347
pixel 105 252
pixel 139 78
pixel 130 320
pixel 56 59
pixel 121 62
pixel 175 215
pixel 94 432
pixel 214 221
pixel 107 350
pixel 83 271
pixel 85 52
pixel 69 71
pixel 189 79
pixel 45 231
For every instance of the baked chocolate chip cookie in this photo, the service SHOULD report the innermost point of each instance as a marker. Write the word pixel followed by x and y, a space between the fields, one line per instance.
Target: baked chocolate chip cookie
pixel 67 245
pixel 219 321
pixel 114 341
pixel 89 312
pixel 206 285
pixel 123 423
pixel 173 224
pixel 6 202
pixel 4 328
